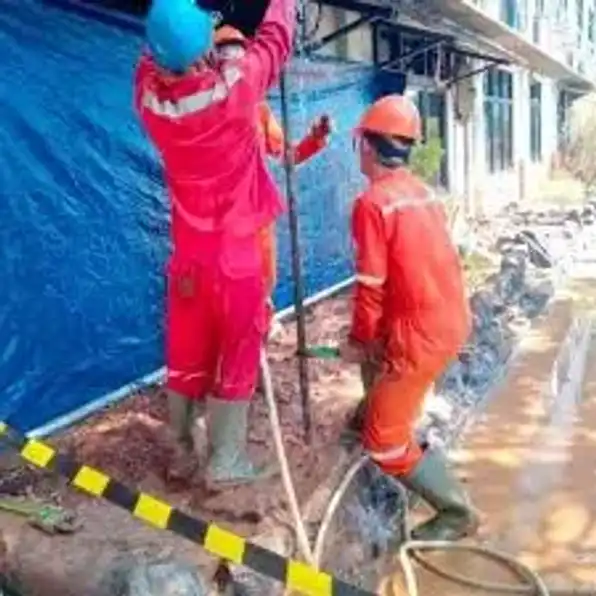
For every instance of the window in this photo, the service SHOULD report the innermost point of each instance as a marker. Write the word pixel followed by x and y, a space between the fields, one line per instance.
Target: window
pixel 510 13
pixel 579 7
pixel 536 121
pixel 432 112
pixel 498 113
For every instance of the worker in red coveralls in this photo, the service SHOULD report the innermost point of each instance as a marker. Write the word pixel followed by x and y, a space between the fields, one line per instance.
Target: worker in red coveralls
pixel 410 312
pixel 230 44
pixel 199 113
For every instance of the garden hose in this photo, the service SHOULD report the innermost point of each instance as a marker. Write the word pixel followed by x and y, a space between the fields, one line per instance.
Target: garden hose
pixel 533 584
pixel 286 475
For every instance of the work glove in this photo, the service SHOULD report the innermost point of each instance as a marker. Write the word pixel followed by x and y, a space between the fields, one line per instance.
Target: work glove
pixel 244 16
pixel 352 352
pixel 322 127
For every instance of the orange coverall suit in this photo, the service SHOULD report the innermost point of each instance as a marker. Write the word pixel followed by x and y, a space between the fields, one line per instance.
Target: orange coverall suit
pixel 273 138
pixel 409 303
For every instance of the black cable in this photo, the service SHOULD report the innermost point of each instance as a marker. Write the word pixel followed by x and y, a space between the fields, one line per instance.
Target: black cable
pixel 296 265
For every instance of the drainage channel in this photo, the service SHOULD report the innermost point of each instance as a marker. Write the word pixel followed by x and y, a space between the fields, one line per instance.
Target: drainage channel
pixel 554 441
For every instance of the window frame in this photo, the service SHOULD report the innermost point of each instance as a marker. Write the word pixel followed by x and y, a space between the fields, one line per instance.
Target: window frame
pixel 498 112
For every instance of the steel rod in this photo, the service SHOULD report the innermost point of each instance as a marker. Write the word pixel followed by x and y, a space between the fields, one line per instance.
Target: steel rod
pixel 296 263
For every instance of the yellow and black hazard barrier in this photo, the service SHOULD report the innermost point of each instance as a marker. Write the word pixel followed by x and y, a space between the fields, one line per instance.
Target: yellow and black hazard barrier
pixel 296 576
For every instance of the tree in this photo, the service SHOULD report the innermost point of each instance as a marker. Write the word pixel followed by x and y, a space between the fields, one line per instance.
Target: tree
pixel 426 159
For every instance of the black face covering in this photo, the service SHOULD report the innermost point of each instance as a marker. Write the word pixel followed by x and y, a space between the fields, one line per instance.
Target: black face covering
pixel 242 15
pixel 391 152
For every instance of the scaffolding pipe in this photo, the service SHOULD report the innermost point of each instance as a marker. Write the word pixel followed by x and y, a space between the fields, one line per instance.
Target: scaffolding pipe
pixel 296 265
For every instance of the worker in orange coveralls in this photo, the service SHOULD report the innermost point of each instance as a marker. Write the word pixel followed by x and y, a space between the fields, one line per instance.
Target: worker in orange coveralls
pixel 199 112
pixel 410 312
pixel 231 45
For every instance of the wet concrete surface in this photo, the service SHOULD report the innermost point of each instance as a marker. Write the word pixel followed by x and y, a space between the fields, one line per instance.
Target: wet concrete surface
pixel 528 462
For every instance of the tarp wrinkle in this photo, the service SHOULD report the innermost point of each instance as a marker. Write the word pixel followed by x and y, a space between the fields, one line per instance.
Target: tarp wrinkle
pixel 85 218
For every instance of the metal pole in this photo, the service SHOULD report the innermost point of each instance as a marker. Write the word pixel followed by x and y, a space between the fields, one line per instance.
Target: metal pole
pixel 296 265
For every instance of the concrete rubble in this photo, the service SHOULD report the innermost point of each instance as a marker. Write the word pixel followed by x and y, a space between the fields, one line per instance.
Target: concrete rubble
pixel 140 577
pixel 535 257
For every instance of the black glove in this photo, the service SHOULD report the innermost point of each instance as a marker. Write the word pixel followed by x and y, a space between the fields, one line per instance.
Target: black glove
pixel 240 14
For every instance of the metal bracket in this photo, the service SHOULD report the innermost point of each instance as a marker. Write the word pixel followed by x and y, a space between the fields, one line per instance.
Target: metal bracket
pixel 389 64
pixel 363 8
pixel 341 32
pixel 392 28
pixel 478 56
pixel 470 74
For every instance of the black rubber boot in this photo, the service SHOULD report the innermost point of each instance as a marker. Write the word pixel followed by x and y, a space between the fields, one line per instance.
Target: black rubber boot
pixel 350 437
pixel 437 485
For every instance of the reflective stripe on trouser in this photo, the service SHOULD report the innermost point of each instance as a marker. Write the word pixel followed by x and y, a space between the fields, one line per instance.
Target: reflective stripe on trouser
pixel 394 405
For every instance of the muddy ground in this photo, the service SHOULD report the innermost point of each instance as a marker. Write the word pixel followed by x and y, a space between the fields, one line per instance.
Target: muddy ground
pixel 129 442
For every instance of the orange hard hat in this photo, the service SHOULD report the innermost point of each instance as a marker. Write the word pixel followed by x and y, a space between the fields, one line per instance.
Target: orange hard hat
pixel 394 116
pixel 228 34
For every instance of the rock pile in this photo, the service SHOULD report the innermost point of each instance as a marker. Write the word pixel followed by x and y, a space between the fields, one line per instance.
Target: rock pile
pixel 530 267
pixel 142 577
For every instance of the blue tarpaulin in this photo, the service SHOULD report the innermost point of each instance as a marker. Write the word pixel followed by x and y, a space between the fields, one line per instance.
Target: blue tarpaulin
pixel 84 215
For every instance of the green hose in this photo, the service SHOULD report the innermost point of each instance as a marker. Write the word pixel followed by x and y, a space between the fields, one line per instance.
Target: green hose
pixel 322 352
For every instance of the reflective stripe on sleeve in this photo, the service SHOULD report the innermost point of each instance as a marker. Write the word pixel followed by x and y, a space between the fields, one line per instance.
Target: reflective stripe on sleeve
pixel 196 102
pixel 370 280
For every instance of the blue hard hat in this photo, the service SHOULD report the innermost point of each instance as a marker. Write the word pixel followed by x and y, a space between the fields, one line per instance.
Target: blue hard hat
pixel 178 33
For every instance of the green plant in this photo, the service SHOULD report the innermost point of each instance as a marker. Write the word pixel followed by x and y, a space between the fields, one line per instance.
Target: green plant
pixel 426 159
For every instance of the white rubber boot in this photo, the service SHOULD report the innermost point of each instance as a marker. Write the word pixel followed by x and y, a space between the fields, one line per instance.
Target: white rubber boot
pixel 229 464
pixel 181 411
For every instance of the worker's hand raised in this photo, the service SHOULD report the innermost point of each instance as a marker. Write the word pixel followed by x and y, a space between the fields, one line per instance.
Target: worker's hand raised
pixel 352 352
pixel 322 127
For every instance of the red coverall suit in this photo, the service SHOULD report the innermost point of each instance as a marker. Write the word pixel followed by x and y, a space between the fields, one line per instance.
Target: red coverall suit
pixel 231 43
pixel 410 301
pixel 222 195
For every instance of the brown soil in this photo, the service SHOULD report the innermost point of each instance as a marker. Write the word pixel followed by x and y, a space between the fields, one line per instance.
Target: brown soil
pixel 129 442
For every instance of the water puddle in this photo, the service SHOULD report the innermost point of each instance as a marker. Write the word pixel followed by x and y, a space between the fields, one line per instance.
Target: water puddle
pixel 553 442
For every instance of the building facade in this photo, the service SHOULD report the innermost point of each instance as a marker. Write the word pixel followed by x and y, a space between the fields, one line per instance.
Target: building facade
pixel 503 121
pixel 521 113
